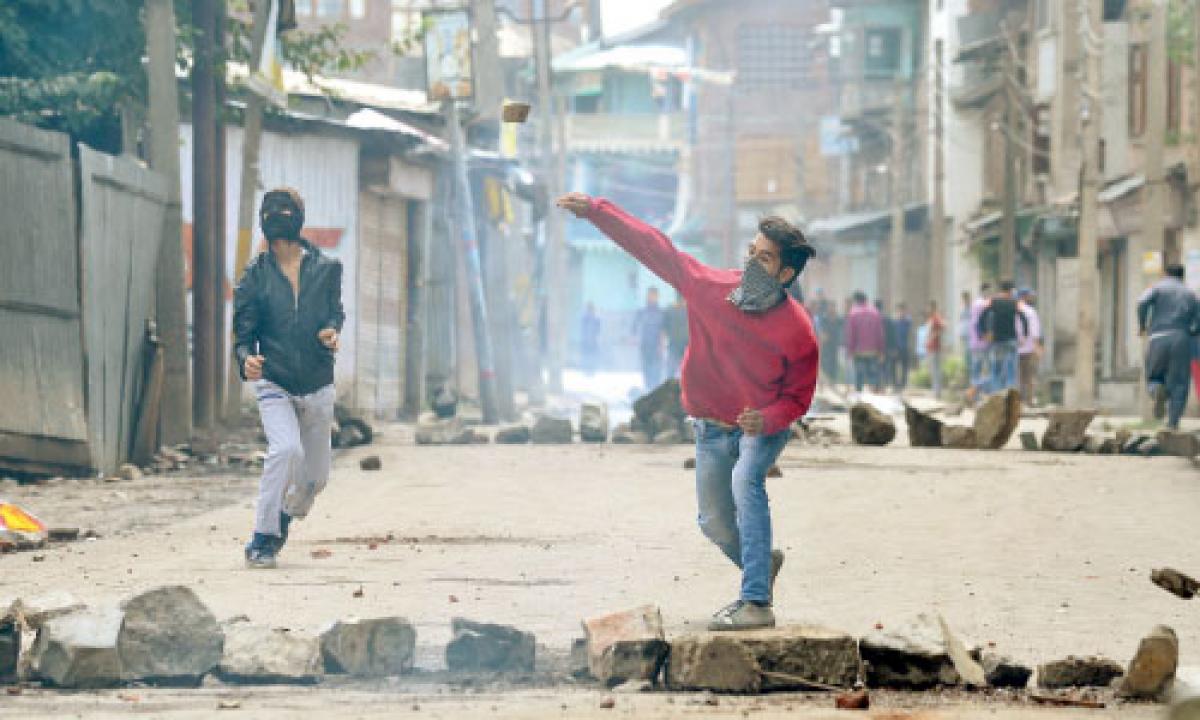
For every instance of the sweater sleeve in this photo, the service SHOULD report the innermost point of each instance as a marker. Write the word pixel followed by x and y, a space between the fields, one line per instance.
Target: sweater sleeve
pixel 795 396
pixel 648 245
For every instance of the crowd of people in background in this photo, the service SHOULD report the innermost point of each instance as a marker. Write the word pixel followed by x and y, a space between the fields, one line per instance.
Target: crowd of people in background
pixel 867 348
pixel 661 336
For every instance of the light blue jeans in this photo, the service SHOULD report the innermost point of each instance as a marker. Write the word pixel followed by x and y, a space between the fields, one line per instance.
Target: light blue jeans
pixel 731 490
pixel 298 453
pixel 1004 365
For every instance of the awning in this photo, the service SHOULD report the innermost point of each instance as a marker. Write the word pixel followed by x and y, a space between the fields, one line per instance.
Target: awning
pixel 839 224
pixel 1120 188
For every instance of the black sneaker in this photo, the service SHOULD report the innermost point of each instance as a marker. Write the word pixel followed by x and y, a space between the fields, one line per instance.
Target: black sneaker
pixel 260 552
pixel 284 521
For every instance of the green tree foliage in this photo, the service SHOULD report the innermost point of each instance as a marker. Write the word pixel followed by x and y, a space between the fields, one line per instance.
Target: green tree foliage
pixel 69 64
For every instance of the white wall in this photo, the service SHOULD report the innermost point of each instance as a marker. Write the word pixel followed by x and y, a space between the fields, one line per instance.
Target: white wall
pixel 325 172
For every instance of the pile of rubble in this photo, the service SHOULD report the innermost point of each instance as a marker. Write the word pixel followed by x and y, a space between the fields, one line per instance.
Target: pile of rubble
pixel 167 636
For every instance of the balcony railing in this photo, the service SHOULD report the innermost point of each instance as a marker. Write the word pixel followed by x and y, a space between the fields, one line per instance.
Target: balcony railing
pixel 608 131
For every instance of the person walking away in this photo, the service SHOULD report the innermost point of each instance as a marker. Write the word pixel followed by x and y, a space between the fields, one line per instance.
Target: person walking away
pixel 965 333
pixel 933 348
pixel 902 326
pixel 978 370
pixel 1029 347
pixel 830 335
pixel 750 372
pixel 1002 325
pixel 675 327
pixel 648 326
pixel 886 364
pixel 1169 312
pixel 865 342
pixel 589 339
pixel 287 314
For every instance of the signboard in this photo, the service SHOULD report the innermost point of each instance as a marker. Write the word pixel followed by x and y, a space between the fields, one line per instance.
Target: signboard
pixel 1152 263
pixel 448 62
pixel 267 80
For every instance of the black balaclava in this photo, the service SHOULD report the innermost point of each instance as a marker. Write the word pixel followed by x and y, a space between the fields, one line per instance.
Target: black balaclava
pixel 759 291
pixel 282 215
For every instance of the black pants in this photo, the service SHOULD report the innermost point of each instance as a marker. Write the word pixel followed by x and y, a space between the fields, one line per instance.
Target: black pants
pixel 1168 369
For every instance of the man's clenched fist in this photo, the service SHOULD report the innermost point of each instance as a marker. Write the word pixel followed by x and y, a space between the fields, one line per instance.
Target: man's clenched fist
pixel 329 338
pixel 577 203
pixel 253 367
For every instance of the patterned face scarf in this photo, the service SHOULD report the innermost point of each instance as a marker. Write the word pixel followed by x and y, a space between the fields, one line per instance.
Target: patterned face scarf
pixel 759 291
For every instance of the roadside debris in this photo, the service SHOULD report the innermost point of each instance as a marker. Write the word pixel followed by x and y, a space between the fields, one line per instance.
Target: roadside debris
pixel 20 530
pixel 1067 430
pixel 370 463
pixel 484 647
pixel 1074 671
pixel 601 631
pixel 857 700
pixel 869 426
pixel 996 419
pixel 379 647
pixel 550 430
pixel 264 656
pixel 1067 701
pixel 1152 669
pixel 924 430
pixel 1176 583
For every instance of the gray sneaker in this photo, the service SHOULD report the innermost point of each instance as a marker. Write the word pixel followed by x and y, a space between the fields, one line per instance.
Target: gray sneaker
pixel 776 565
pixel 742 615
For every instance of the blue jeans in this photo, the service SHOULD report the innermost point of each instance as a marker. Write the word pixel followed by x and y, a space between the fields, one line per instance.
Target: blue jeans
pixel 978 369
pixel 731 490
pixel 1004 365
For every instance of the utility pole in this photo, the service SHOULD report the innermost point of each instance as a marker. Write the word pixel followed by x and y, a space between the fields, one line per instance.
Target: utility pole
pixel 219 240
pixel 1008 222
pixel 937 266
pixel 251 142
pixel 1155 191
pixel 203 235
pixel 175 413
pixel 1091 21
pixel 554 276
pixel 464 213
pixel 896 242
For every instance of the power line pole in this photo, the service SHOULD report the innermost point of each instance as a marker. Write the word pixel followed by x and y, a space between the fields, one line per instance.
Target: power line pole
pixel 1152 235
pixel 1091 20
pixel 937 267
pixel 175 414
pixel 203 235
pixel 554 276
pixel 1008 221
pixel 896 240
pixel 251 142
pixel 219 239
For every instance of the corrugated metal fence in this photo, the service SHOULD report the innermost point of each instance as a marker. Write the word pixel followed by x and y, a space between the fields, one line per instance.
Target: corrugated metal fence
pixel 74 300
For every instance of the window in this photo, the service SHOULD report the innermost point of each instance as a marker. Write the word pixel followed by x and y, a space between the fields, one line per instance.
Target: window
pixel 771 56
pixel 330 8
pixel 358 9
pixel 882 47
pixel 1137 89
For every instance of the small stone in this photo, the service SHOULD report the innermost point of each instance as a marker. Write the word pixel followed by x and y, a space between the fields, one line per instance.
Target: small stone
pixel 380 647
pixel 959 437
pixel 63 534
pixel 129 471
pixel 608 703
pixel 1029 440
pixel 924 430
pixel 550 430
pixel 997 419
pixel 513 435
pixel 1175 583
pixel 593 422
pixel 1003 672
pixel 642 623
pixel 483 647
pixel 869 426
pixel 857 700
pixel 371 462
pixel 1067 430
pixel 170 636
pixel 1153 667
pixel 689 464
pixel 1078 672
pixel 254 654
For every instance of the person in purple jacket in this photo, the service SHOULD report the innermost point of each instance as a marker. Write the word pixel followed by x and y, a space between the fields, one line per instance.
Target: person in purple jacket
pixel 865 342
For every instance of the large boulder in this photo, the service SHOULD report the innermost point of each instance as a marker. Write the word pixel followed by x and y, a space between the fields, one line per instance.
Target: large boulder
pixel 550 430
pixel 627 660
pixel 785 658
pixel 168 636
pixel 868 426
pixel 602 631
pixel 593 422
pixel 483 647
pixel 259 655
pixel 1078 672
pixel 1004 672
pixel 1152 669
pixel 79 650
pixel 912 657
pixel 667 398
pixel 1067 430
pixel 924 430
pixel 997 419
pixel 381 647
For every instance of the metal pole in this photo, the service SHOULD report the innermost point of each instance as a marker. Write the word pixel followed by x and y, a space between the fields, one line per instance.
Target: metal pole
pixel 251 141
pixel 1008 222
pixel 175 413
pixel 1090 21
pixel 464 214
pixel 896 239
pixel 937 267
pixel 203 236
pixel 219 239
pixel 555 276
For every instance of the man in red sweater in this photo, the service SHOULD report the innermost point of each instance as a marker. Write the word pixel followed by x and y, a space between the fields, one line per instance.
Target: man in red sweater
pixel 749 372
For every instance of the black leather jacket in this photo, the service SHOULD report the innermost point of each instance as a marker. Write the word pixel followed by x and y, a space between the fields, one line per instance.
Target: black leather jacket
pixel 270 320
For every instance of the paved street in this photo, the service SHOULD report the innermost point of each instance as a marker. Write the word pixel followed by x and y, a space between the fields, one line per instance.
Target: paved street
pixel 1043 555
